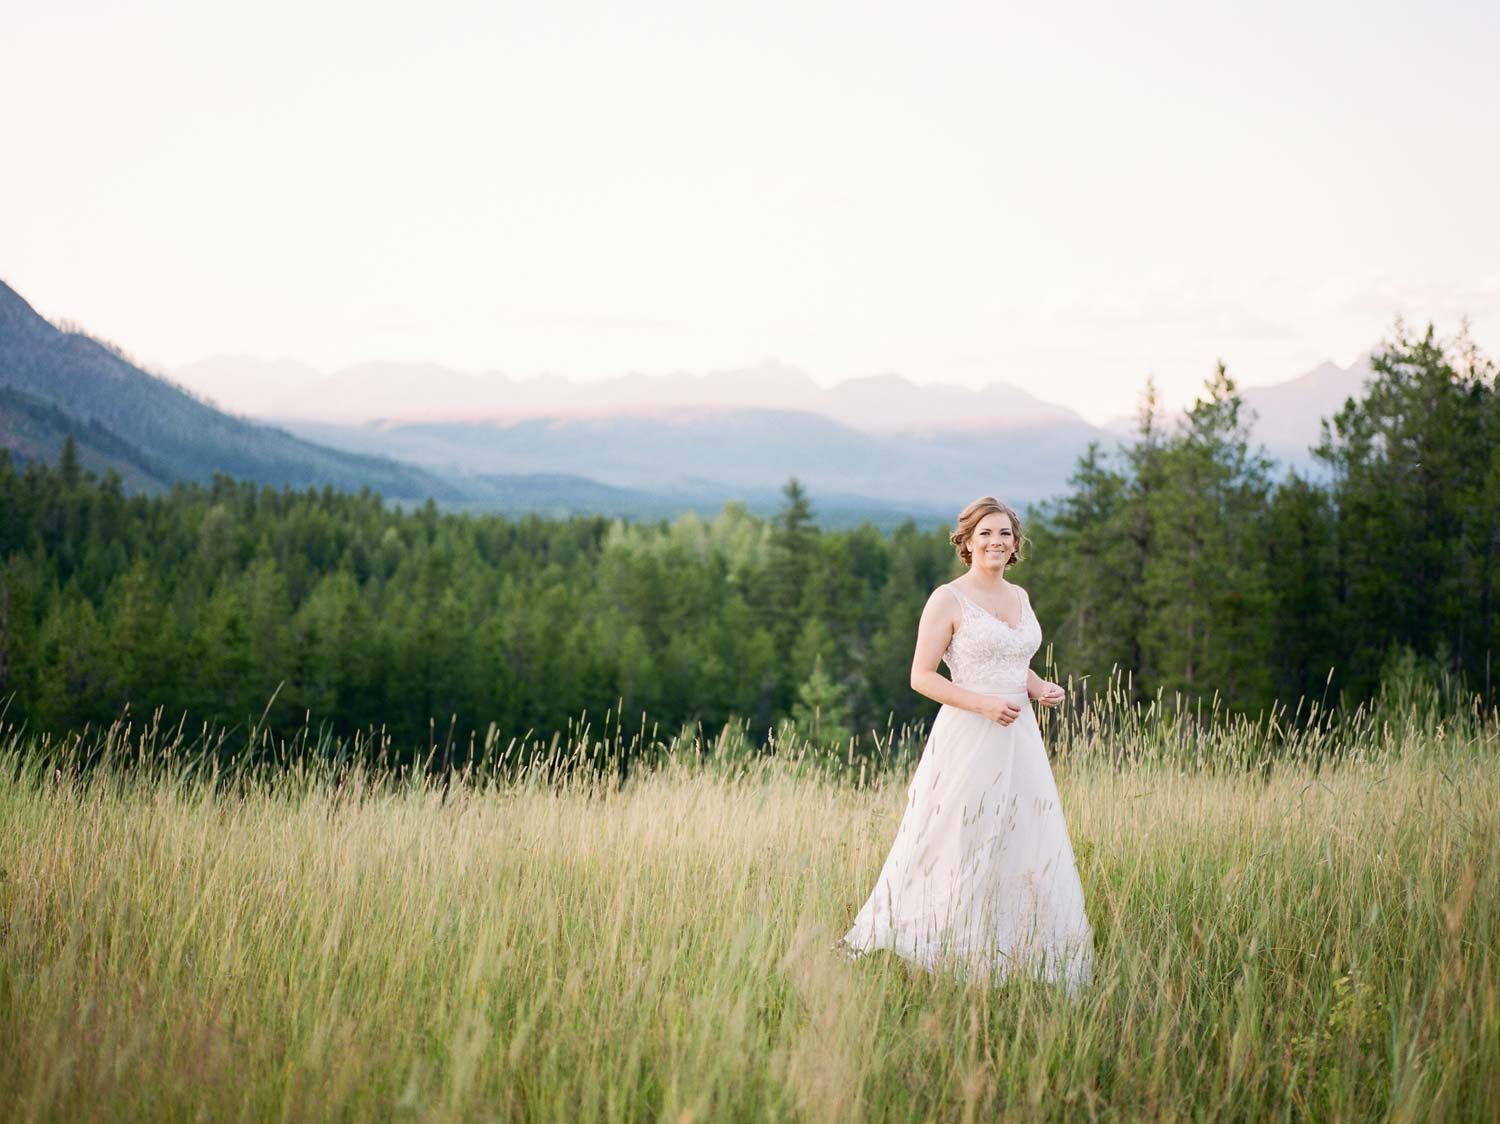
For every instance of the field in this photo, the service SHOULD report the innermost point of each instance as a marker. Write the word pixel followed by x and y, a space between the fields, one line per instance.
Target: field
pixel 1287 926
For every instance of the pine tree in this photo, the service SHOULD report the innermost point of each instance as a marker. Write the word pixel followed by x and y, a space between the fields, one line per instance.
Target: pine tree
pixel 73 675
pixel 1301 559
pixel 791 560
pixel 69 470
pixel 1082 556
pixel 1411 464
pixel 821 713
pixel 1205 584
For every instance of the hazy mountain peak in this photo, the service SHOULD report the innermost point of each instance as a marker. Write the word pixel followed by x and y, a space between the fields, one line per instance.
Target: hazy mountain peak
pixel 890 402
pixel 384 369
pixel 1326 371
pixel 883 401
pixel 1288 413
pixel 880 380
pixel 768 374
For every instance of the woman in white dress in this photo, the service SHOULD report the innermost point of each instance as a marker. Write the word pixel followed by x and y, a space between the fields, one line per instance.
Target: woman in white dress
pixel 981 878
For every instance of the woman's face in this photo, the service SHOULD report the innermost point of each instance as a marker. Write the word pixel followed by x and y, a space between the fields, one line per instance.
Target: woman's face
pixel 993 543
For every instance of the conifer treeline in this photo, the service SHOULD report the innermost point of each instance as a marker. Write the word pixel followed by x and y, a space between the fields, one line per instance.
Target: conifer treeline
pixel 209 599
pixel 1176 558
pixel 1179 559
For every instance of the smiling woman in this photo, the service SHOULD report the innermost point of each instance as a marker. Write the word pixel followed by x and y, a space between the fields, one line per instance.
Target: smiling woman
pixel 981 878
pixel 995 536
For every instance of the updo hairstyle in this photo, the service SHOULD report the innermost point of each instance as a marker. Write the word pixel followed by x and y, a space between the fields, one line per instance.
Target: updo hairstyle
pixel 969 518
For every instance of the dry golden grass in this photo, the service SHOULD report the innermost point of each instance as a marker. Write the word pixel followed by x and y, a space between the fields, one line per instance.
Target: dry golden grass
pixel 1282 941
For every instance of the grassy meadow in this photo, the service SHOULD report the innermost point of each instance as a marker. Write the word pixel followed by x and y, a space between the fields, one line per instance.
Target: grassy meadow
pixel 1289 926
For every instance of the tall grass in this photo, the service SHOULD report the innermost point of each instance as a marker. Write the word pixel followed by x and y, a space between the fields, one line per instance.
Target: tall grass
pixel 1293 921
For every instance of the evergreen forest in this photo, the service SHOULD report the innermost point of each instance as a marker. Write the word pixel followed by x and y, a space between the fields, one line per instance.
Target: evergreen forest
pixel 1179 564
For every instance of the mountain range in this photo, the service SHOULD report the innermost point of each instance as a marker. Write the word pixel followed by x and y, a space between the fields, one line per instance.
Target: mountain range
pixel 923 448
pixel 371 392
pixel 153 432
pixel 932 446
pixel 879 447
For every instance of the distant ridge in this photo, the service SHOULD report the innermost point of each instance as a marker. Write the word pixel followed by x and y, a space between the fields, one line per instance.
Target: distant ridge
pixel 1289 414
pixel 394 392
pixel 738 452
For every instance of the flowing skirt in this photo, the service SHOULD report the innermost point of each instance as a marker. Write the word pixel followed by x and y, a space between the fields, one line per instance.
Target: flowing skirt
pixel 981 879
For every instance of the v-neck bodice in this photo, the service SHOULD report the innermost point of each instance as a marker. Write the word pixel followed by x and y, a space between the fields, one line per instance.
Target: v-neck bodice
pixel 985 653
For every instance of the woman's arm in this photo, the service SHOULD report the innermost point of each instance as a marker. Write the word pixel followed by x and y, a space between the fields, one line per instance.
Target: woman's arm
pixel 1044 691
pixel 939 618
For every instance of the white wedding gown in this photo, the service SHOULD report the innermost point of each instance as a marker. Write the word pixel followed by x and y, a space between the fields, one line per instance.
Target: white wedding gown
pixel 981 878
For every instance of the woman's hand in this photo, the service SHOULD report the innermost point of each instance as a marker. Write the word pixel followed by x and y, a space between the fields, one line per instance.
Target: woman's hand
pixel 998 710
pixel 1050 694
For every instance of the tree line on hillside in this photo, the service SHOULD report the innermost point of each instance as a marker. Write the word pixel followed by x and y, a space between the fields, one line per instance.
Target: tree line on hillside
pixel 1177 559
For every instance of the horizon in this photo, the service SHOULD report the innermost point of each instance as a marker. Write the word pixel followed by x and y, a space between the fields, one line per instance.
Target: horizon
pixel 1094 417
pixel 186 377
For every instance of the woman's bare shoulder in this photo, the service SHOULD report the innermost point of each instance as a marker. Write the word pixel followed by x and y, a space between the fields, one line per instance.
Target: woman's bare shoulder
pixel 943 599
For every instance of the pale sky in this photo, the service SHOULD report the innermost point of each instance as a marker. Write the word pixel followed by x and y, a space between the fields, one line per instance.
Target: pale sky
pixel 1064 197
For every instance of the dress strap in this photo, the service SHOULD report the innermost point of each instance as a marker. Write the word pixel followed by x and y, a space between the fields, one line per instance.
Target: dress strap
pixel 962 600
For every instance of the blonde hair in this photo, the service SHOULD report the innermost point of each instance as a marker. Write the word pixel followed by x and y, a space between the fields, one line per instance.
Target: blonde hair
pixel 969 518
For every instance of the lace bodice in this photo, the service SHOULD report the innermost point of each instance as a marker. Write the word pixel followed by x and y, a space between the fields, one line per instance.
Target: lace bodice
pixel 986 654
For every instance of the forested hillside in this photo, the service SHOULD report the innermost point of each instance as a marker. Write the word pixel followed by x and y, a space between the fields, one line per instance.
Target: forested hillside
pixel 1176 559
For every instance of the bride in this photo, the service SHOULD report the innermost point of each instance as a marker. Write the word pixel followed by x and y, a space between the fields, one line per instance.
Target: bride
pixel 981 877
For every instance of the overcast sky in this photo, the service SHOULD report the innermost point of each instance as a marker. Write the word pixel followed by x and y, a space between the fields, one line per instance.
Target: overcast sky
pixel 1065 197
